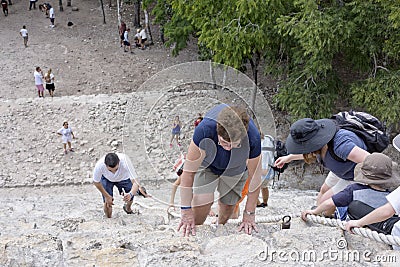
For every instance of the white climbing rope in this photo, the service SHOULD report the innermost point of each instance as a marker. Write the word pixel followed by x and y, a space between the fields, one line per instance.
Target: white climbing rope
pixel 258 219
pixel 364 232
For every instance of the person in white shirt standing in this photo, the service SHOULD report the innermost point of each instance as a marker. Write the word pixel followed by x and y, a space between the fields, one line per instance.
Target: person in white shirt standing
pixel 38 74
pixel 66 136
pixel 116 169
pixel 24 33
pixel 52 17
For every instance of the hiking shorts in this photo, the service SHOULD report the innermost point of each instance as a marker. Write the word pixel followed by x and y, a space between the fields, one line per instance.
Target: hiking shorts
pixel 40 87
pixel 127 43
pixel 336 183
pixel 109 186
pixel 229 187
pixel 50 86
pixel 265 183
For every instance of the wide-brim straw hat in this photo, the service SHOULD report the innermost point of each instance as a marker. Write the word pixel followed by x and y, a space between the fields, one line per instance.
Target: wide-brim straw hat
pixel 308 135
pixel 378 169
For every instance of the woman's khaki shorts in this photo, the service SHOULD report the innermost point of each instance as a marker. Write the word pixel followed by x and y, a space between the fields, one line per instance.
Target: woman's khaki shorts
pixel 229 187
pixel 335 183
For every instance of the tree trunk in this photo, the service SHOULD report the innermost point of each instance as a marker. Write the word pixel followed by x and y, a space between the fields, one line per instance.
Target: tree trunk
pixel 136 17
pixel 162 34
pixel 69 2
pixel 102 8
pixel 61 6
pixel 147 25
pixel 254 67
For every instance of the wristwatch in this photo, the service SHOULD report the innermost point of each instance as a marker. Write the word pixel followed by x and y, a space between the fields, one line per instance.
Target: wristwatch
pixel 249 212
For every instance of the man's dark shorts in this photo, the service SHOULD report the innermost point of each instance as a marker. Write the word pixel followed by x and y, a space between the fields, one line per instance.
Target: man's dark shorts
pixel 108 186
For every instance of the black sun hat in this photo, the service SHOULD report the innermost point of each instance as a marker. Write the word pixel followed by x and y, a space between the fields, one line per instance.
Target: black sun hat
pixel 308 135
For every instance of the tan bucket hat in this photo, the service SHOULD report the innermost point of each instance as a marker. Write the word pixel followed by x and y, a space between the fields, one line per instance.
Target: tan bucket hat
pixel 378 169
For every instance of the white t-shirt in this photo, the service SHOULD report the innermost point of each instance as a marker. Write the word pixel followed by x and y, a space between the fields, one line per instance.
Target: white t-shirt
pixel 125 170
pixel 51 13
pixel 38 78
pixel 126 39
pixel 394 199
pixel 143 34
pixel 24 32
pixel 66 134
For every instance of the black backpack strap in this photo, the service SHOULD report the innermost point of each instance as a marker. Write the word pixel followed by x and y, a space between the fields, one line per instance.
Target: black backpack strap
pixel 332 152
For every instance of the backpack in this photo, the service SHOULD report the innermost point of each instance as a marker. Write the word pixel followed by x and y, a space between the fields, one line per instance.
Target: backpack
pixel 273 149
pixel 371 130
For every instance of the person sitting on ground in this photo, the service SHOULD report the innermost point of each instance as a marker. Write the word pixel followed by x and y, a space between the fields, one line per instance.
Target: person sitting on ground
pixel 116 169
pixel 45 7
pixel 224 152
pixel 311 140
pixel 374 178
pixel 66 135
pixel 384 218
pixel 137 38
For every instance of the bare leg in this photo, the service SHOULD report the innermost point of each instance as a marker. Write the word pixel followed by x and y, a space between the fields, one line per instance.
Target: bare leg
pixel 324 197
pixel 322 191
pixel 107 210
pixel 201 207
pixel 224 212
pixel 265 194
pixel 65 147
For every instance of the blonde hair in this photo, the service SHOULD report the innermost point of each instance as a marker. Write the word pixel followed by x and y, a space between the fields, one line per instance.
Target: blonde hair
pixel 233 123
pixel 311 157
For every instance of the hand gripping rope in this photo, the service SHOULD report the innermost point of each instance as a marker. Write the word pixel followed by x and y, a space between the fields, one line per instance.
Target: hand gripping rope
pixel 364 232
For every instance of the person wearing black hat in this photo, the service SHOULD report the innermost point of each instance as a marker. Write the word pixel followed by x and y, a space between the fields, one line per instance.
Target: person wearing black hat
pixel 311 140
pixel 384 214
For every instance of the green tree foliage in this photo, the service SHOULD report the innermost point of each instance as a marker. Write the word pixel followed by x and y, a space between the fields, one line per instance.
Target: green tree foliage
pixel 302 42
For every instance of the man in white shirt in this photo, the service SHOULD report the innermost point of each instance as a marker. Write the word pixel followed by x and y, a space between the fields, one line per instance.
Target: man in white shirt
pixel 385 212
pixel 38 74
pixel 116 169
pixel 52 17
pixel 24 33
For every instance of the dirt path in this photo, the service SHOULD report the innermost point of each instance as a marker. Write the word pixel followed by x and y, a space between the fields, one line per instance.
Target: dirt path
pixel 86 58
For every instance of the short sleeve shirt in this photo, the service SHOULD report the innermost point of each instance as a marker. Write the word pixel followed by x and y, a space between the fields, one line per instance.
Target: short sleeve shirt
pixel 24 32
pixel 38 78
pixel 66 132
pixel 219 160
pixel 125 170
pixel 343 142
pixel 394 200
pixel 360 192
